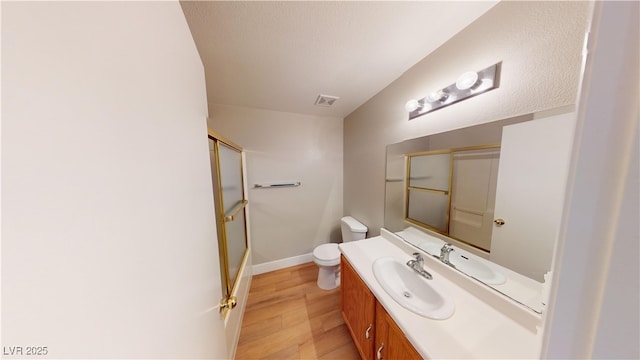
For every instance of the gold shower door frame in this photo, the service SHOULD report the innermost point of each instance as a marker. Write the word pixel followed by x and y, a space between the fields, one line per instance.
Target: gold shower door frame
pixel 230 213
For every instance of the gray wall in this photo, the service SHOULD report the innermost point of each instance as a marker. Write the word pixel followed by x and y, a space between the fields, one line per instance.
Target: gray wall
pixel 285 147
pixel 540 46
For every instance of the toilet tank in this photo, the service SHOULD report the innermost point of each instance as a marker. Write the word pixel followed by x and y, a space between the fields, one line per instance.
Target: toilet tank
pixel 352 229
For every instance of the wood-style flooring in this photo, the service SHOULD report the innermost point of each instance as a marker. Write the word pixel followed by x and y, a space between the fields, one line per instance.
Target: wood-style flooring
pixel 289 317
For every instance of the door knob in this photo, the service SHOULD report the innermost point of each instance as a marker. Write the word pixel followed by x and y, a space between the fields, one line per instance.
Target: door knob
pixel 228 303
pixel 499 221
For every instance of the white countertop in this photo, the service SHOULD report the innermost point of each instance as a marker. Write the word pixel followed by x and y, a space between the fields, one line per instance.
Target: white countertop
pixel 475 330
pixel 526 290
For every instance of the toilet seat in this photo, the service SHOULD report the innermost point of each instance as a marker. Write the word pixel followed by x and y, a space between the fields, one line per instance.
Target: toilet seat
pixel 326 254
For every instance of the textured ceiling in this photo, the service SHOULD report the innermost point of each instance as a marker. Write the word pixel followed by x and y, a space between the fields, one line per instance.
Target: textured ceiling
pixel 282 55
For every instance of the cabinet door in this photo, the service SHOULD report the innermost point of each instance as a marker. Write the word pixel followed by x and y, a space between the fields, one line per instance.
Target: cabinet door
pixel 358 309
pixel 391 344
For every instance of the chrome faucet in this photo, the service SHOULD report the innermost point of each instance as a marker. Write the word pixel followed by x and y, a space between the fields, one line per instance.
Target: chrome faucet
pixel 444 254
pixel 418 266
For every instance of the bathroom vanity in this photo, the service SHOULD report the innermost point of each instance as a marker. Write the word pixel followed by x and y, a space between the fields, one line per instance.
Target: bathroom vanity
pixel 374 332
pixel 484 324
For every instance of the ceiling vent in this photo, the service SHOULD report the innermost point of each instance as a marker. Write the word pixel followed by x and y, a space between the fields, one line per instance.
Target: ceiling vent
pixel 326 100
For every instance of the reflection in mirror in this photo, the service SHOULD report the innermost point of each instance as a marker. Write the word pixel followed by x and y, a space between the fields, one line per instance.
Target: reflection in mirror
pixel 428 189
pixel 521 181
pixel 462 260
pixel 452 191
pixel 473 193
pixel 489 133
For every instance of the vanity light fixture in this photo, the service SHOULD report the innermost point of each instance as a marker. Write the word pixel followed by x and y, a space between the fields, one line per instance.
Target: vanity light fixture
pixel 468 84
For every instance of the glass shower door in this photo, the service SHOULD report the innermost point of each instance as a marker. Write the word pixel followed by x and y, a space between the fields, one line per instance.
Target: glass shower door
pixel 233 203
pixel 229 202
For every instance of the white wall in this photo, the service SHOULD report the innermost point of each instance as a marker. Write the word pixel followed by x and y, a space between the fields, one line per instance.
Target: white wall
pixel 540 46
pixel 108 241
pixel 284 147
pixel 618 328
pixel 595 299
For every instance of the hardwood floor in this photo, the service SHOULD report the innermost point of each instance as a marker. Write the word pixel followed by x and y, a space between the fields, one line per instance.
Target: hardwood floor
pixel 289 317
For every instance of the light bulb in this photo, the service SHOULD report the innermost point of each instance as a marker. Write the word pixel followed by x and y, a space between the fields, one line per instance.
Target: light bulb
pixel 412 105
pixel 437 96
pixel 467 80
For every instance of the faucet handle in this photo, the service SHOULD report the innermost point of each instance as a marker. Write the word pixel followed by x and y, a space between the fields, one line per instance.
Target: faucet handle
pixel 417 255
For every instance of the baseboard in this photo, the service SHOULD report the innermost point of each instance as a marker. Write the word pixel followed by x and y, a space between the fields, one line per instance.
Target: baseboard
pixel 281 264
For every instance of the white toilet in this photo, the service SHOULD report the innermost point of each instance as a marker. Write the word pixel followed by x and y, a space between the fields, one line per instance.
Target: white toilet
pixel 327 256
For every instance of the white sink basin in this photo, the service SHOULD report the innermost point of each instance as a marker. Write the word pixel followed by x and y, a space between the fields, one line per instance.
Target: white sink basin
pixel 412 291
pixel 468 264
pixel 476 268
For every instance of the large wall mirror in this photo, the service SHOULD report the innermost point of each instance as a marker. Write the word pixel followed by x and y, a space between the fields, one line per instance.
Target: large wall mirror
pixel 494 190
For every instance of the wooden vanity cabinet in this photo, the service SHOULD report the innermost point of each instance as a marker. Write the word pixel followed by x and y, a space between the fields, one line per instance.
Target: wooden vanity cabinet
pixel 358 306
pixel 374 332
pixel 390 340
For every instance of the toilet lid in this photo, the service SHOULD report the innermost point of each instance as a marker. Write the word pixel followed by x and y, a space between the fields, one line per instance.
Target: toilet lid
pixel 326 252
